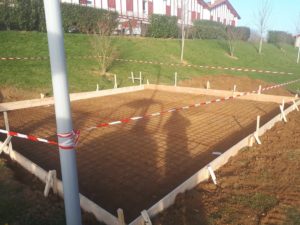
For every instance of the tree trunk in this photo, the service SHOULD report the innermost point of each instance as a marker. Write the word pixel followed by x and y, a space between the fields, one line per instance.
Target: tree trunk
pixel 298 55
pixel 260 45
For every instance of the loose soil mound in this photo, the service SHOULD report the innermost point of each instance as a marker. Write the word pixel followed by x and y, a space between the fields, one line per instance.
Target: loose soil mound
pixel 261 185
pixel 10 94
pixel 226 82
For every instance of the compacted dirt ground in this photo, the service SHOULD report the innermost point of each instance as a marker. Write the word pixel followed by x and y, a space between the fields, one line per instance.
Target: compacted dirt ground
pixel 226 82
pixel 133 166
pixel 261 185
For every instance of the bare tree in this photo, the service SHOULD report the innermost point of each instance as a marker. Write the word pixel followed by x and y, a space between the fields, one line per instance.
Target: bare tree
pixel 184 6
pixel 298 33
pixel 232 36
pixel 263 16
pixel 102 43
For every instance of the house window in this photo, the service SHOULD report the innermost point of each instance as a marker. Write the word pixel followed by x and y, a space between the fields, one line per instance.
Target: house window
pixel 219 19
pixel 129 5
pixel 233 23
pixel 150 8
pixel 111 3
pixel 211 17
pixel 198 16
pixel 179 12
pixel 168 10
pixel 193 15
pixel 144 6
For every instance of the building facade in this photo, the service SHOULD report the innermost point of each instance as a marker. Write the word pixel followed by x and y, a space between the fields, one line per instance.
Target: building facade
pixel 135 13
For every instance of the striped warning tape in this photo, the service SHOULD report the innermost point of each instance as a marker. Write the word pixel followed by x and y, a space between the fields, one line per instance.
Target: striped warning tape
pixel 70 139
pixel 160 63
pixel 75 134
pixel 146 116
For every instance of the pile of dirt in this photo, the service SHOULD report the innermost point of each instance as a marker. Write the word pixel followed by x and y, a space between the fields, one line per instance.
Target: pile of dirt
pixel 226 82
pixel 261 185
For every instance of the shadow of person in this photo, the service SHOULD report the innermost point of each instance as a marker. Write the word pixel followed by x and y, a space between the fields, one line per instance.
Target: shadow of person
pixel 118 168
pixel 177 152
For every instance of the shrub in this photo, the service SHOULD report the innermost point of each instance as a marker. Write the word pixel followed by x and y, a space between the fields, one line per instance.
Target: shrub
pixel 280 37
pixel 29 15
pixel 206 29
pixel 163 26
pixel 244 33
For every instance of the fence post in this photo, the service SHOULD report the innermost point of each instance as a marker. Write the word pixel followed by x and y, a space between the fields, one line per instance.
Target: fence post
pixel 175 79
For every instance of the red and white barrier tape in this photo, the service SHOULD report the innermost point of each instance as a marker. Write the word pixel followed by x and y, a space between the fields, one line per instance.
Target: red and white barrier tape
pixel 69 143
pixel 160 63
pixel 71 138
pixel 146 116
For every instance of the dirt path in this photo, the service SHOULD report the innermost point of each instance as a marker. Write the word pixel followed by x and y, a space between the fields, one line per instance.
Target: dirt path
pixel 261 185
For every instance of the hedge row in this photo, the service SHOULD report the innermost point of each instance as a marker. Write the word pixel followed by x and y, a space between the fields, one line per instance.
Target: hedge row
pixel 29 15
pixel 162 26
pixel 280 37
pixel 206 29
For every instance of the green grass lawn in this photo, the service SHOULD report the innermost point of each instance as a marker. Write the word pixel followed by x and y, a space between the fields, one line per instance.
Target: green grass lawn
pixel 83 73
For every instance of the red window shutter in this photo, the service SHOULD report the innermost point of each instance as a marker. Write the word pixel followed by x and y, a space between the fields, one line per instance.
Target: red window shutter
pixel 129 5
pixel 179 12
pixel 150 8
pixel 168 10
pixel 193 15
pixel 111 3
pixel 83 2
pixel 233 23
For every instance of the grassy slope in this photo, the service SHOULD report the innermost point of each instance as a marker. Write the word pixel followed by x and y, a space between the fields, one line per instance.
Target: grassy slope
pixel 83 73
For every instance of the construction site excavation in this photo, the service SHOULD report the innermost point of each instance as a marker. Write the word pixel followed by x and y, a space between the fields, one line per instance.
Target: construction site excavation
pixel 136 146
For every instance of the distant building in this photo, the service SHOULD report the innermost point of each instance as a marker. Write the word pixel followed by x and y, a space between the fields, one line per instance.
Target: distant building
pixel 135 13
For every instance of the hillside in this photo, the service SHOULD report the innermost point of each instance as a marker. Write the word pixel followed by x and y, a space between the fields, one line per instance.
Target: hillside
pixel 31 77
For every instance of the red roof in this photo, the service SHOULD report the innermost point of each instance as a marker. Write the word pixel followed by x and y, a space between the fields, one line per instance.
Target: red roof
pixel 220 2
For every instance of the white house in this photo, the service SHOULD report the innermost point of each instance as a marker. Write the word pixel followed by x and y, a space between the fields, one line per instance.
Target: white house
pixel 137 12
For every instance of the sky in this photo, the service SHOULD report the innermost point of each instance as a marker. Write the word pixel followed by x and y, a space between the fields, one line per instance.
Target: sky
pixel 284 14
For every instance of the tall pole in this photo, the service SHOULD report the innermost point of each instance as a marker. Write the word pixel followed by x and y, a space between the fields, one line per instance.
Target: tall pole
pixel 63 111
pixel 298 58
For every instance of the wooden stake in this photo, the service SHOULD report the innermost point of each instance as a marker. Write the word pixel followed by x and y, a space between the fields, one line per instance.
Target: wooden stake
pixel 97 88
pixel 121 217
pixel 259 90
pixel 115 78
pixel 146 218
pixel 212 174
pixel 51 181
pixel 148 82
pixel 42 95
pixel 234 88
pixel 256 134
pixel 132 77
pixel 207 85
pixel 283 117
pixel 7 128
pixel 295 105
pixel 175 79
pixel 140 78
